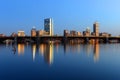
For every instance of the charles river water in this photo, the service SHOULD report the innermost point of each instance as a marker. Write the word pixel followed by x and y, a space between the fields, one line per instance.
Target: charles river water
pixel 60 61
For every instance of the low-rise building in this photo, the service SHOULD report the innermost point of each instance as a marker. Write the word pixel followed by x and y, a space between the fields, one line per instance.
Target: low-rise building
pixel 21 33
pixel 33 32
pixel 85 33
pixel 73 33
pixel 104 34
pixel 79 34
pixel 42 33
pixel 66 33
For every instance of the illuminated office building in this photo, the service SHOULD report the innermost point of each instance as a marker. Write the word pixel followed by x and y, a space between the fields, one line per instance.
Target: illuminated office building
pixel 79 34
pixel 48 26
pixel 42 33
pixel 21 34
pixel 96 28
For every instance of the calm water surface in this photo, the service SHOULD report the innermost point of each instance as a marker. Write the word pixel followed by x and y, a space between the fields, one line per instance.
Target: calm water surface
pixel 60 61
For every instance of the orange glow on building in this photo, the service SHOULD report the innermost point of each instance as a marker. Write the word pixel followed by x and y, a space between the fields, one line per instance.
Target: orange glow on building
pixel 21 34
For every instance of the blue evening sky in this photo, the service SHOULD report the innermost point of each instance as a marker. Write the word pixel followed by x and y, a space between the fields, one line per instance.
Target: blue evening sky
pixel 67 14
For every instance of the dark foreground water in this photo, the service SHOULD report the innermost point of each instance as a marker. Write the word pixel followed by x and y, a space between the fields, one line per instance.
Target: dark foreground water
pixel 60 61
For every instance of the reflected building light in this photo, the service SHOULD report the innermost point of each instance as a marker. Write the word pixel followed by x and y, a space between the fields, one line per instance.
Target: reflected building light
pixel 21 48
pixel 74 48
pixel 51 54
pixel 88 49
pixel 96 52
pixel 48 56
pixel 33 51
pixel 42 48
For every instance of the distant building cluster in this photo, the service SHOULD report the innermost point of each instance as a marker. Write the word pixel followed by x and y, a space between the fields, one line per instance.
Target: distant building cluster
pixel 87 32
pixel 48 31
pixel 104 34
pixel 72 33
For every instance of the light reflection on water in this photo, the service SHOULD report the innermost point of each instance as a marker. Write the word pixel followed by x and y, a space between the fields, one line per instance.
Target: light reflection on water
pixel 21 48
pixel 47 50
pixel 64 61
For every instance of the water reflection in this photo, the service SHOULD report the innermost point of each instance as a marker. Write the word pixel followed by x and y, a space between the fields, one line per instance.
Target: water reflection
pixel 21 49
pixel 48 55
pixel 96 52
pixel 14 49
pixel 33 51
pixel 72 64
pixel 47 50
pixel 42 48
pixel 57 47
pixel 71 48
pixel 88 49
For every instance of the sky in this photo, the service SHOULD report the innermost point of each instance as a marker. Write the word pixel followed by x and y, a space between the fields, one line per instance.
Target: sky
pixel 67 14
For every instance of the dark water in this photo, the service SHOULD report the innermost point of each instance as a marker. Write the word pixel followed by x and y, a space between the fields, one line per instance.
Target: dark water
pixel 60 61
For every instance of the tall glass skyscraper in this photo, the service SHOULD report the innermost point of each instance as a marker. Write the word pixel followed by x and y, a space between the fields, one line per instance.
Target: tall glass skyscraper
pixel 48 26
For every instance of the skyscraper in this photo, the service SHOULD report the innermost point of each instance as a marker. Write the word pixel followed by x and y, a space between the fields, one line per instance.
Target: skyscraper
pixel 48 26
pixel 96 28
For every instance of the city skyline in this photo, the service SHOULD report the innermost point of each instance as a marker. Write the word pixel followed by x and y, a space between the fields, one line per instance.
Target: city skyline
pixel 70 15
pixel 49 31
pixel 59 39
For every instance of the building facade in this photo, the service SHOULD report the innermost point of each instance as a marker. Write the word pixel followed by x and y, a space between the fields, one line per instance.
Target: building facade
pixel 73 33
pixel 42 33
pixel 48 26
pixel 87 32
pixel 104 34
pixel 96 28
pixel 66 33
pixel 33 32
pixel 21 34
pixel 79 34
